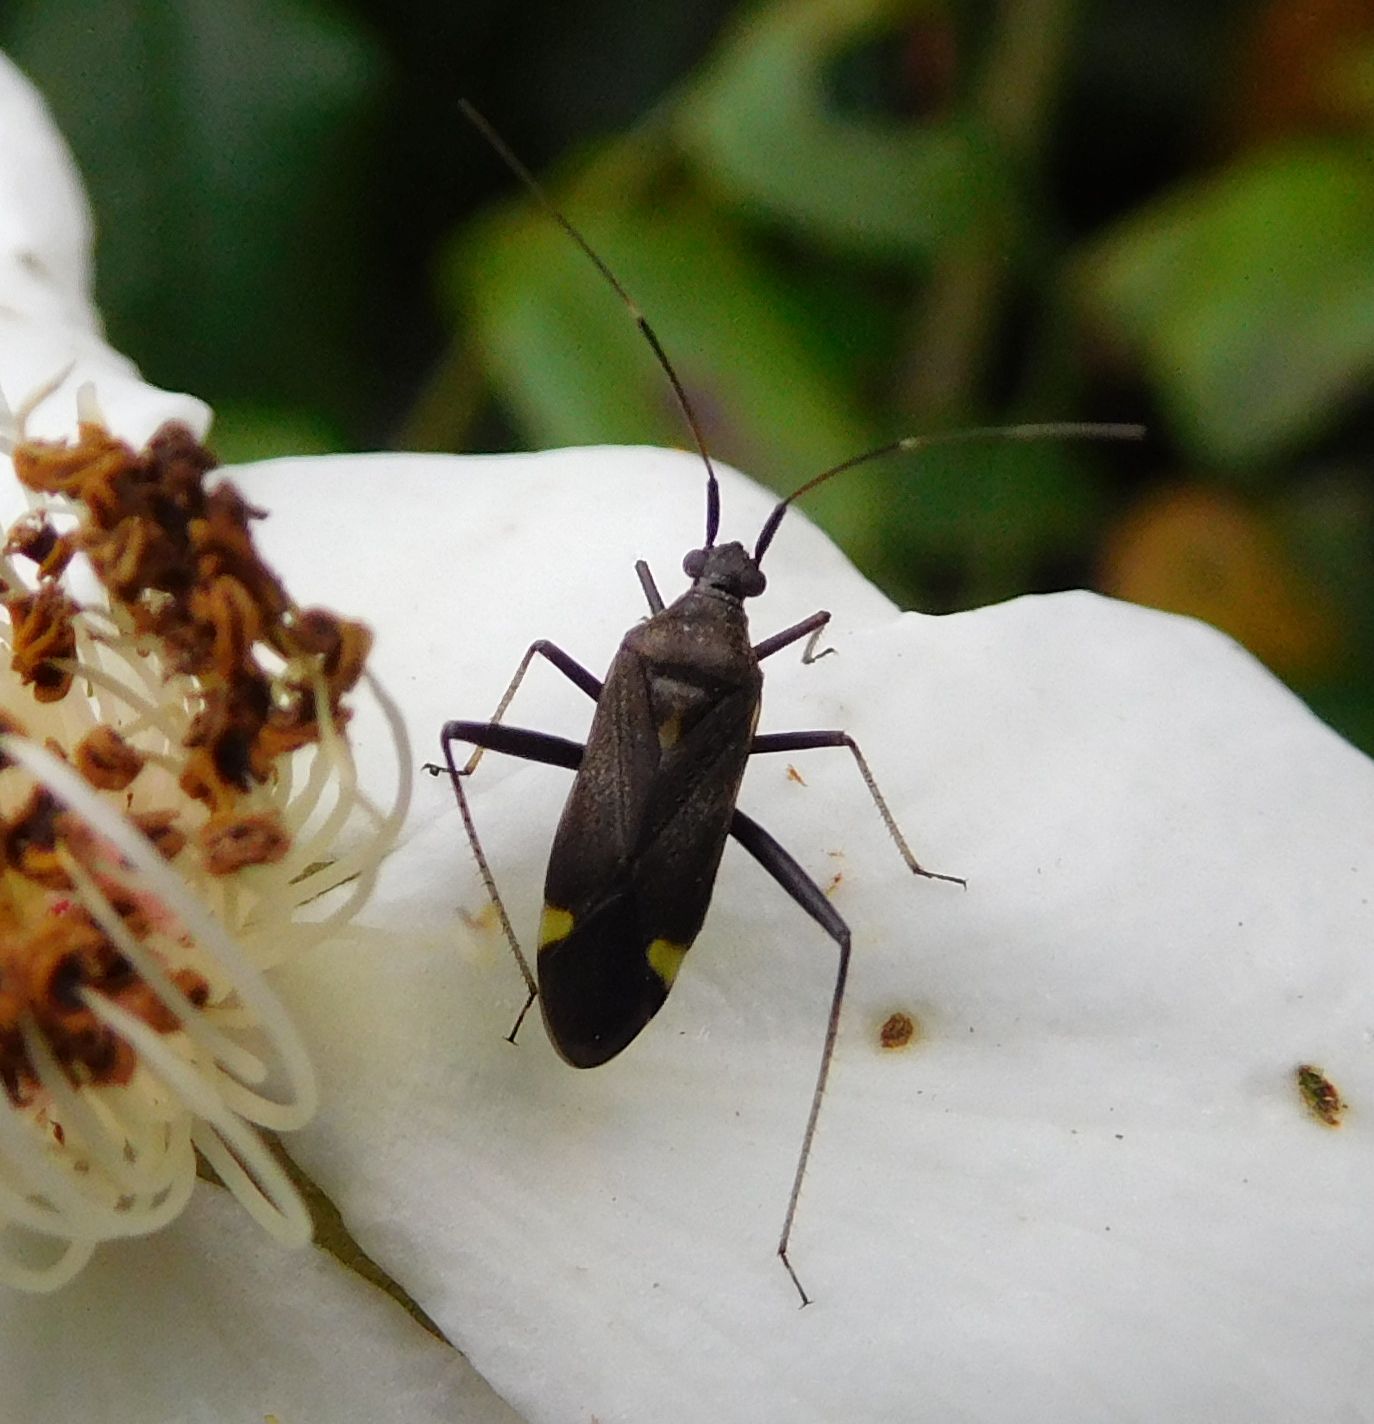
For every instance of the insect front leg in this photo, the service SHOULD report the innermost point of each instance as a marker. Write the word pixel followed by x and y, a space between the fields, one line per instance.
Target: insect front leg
pixel 529 746
pixel 646 581
pixel 800 886
pixel 809 628
pixel 810 741
pixel 573 670
pixel 517 742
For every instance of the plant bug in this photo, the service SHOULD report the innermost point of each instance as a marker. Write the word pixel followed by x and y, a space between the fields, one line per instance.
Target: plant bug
pixel 635 855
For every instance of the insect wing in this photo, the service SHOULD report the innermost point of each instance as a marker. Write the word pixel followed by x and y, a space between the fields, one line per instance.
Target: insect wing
pixel 636 853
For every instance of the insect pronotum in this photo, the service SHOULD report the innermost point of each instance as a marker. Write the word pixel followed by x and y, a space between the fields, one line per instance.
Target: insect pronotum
pixel 635 855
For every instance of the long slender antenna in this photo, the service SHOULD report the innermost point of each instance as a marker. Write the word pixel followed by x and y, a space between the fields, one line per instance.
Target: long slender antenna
pixel 1061 430
pixel 545 202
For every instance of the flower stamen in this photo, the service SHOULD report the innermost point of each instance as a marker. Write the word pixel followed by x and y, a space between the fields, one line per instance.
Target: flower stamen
pixel 159 844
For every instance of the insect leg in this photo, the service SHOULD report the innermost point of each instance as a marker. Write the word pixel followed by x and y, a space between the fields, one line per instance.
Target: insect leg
pixel 809 741
pixel 529 746
pixel 809 628
pixel 799 885
pixel 646 582
pixel 520 742
pixel 568 666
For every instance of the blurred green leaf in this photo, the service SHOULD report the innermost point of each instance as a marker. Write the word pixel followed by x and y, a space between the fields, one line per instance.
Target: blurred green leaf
pixel 1250 297
pixel 1352 81
pixel 217 138
pixel 245 431
pixel 567 360
pixel 988 521
pixel 759 123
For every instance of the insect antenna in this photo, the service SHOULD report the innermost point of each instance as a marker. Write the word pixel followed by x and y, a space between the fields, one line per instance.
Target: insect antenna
pixel 1059 430
pixel 542 198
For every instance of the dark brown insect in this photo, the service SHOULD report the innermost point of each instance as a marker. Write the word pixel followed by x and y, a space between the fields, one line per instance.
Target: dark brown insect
pixel 635 855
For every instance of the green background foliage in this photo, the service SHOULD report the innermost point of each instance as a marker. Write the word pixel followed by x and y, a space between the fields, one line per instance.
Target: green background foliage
pixel 847 220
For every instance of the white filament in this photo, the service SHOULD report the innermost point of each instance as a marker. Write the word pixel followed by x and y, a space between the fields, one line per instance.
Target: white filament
pixel 168 886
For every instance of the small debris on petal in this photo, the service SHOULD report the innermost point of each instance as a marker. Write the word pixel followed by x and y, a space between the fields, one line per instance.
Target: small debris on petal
pixel 898 1030
pixel 1320 1095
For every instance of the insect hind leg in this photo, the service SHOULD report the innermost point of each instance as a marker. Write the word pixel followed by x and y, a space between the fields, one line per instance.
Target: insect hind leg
pixel 530 746
pixel 800 886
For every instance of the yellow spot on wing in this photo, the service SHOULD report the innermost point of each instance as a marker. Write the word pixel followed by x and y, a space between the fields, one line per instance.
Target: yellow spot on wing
pixel 665 959
pixel 669 732
pixel 554 924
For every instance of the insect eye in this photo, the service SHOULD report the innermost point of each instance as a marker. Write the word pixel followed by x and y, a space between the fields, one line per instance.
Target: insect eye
pixel 752 583
pixel 694 562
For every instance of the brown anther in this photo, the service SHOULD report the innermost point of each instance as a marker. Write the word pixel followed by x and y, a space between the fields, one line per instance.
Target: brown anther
pixel 108 1058
pixel 106 760
pixel 341 644
pixel 14 1075
pixel 13 1058
pixel 223 544
pixel 66 955
pixel 229 842
pixel 43 635
pixel 290 726
pixel 195 986
pixel 59 556
pixel 180 567
pixel 132 556
pixel 59 467
pixel 31 838
pixel 234 617
pixel 49 972
pixel 202 782
pixel 228 725
pixel 161 828
pixel 135 911
pixel 140 1000
pixel 179 460
pixel 108 485
pixel 233 754
pixel 10 726
pixel 31 535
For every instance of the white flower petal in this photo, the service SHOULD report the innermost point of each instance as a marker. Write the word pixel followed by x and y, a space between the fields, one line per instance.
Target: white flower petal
pixel 216 1322
pixel 45 220
pixel 47 322
pixel 1090 1190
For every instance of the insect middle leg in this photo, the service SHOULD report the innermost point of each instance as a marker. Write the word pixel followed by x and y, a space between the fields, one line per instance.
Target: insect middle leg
pixel 811 629
pixel 810 741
